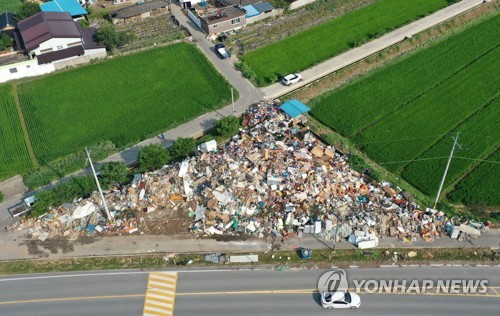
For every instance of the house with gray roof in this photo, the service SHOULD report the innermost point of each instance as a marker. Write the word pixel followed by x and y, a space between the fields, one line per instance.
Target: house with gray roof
pixel 139 11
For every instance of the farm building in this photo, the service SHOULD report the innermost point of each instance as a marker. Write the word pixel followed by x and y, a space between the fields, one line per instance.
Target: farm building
pixel 222 20
pixel 53 36
pixel 139 11
pixel 187 4
pixel 73 7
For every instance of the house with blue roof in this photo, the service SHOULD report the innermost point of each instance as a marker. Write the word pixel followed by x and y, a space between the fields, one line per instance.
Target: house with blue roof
pixel 73 7
pixel 294 108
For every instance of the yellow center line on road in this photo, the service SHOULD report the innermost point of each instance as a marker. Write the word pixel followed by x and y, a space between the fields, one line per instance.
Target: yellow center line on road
pixel 256 292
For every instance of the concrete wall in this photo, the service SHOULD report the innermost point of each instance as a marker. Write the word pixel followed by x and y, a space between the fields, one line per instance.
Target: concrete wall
pixel 300 3
pixel 194 18
pixel 24 69
pixel 53 44
pixel 263 16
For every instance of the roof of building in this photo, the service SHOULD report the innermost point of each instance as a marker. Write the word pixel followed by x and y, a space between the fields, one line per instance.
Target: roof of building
pixel 46 25
pixel 7 19
pixel 251 11
pixel 294 108
pixel 222 15
pixel 138 9
pixel 231 3
pixel 89 37
pixel 73 7
pixel 263 7
pixel 60 54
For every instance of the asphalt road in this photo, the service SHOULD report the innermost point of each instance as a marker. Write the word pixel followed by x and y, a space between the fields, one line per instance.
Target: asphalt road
pixel 261 292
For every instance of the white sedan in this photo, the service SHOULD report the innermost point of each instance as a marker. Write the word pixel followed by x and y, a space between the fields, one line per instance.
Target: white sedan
pixel 291 79
pixel 340 300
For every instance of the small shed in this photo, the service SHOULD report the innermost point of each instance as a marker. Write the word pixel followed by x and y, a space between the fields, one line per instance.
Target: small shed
pixel 251 11
pixel 294 108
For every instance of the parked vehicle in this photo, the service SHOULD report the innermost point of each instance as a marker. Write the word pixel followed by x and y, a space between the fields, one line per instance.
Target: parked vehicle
pixel 291 79
pixel 221 50
pixel 340 300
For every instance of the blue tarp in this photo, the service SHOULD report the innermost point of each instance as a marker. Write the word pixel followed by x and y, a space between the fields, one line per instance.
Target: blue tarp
pixel 72 6
pixel 294 108
pixel 263 7
pixel 251 11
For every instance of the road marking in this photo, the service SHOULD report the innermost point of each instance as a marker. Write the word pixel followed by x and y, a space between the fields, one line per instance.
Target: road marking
pixel 160 295
pixel 170 297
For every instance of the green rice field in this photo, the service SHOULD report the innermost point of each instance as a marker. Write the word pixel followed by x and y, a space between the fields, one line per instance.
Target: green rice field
pixel 404 115
pixel 125 100
pixel 13 151
pixel 319 43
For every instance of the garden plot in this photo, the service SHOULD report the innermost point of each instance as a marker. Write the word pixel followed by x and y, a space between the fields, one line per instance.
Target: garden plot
pixel 151 31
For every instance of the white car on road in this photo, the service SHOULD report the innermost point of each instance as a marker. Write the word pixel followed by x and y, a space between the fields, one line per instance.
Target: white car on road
pixel 291 79
pixel 340 300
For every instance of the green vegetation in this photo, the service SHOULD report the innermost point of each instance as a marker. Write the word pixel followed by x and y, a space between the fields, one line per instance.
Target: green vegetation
pixel 182 147
pixel 153 157
pixel 228 126
pixel 108 36
pixel 141 95
pixel 341 258
pixel 114 173
pixel 14 157
pixel 54 170
pixel 27 9
pixel 477 139
pixel 10 5
pixel 324 41
pixel 1 196
pixel 403 115
pixel 5 41
pixel 65 192
pixel 481 185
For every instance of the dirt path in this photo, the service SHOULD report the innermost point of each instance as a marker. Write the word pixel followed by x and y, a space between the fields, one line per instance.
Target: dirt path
pixel 31 152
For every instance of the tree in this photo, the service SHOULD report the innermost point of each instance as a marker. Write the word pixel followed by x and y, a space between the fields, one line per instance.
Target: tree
pixel 182 147
pixel 112 173
pixel 228 126
pixel 5 41
pixel 108 36
pixel 27 9
pixel 153 157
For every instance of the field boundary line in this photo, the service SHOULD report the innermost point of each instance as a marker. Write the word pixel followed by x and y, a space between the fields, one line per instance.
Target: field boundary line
pixel 27 139
pixel 435 86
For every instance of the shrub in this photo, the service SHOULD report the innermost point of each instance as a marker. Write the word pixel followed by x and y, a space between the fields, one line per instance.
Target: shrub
pixel 65 192
pixel 108 36
pixel 153 157
pixel 1 196
pixel 228 126
pixel 113 173
pixel 182 147
pixel 27 9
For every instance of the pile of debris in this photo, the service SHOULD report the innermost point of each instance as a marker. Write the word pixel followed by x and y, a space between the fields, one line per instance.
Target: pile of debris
pixel 275 178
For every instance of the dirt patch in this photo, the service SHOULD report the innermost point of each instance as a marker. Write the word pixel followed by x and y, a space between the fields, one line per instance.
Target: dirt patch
pixel 43 249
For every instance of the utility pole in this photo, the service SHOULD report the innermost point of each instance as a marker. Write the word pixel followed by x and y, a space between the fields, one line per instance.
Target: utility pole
pixel 98 184
pixel 455 143
pixel 232 98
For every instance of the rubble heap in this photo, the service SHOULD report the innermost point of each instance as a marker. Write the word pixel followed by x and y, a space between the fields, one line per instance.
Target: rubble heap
pixel 274 178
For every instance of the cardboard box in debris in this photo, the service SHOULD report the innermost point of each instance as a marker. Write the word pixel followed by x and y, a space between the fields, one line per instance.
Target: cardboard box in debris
pixel 275 178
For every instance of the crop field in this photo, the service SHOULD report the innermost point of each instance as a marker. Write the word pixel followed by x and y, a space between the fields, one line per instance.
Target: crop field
pixel 481 185
pixel 124 100
pixel 14 156
pixel 478 137
pixel 372 97
pixel 9 5
pixel 404 114
pixel 319 43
